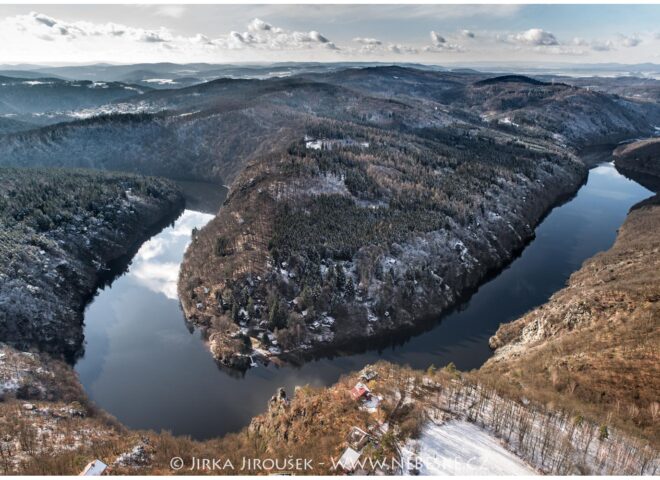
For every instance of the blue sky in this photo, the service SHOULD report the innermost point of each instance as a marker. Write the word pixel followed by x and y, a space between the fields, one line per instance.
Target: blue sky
pixel 443 34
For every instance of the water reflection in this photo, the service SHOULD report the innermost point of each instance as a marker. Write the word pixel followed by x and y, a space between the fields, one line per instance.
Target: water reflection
pixel 144 366
pixel 156 264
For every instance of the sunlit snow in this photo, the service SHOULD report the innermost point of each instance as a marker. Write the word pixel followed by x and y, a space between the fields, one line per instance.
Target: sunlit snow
pixel 461 448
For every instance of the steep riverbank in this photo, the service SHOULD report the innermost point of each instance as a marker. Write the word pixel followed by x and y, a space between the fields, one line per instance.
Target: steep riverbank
pixel 640 160
pixel 641 156
pixel 64 233
pixel 593 346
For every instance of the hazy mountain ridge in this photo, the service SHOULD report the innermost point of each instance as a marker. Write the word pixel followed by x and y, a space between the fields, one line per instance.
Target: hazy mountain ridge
pixel 419 98
pixel 45 100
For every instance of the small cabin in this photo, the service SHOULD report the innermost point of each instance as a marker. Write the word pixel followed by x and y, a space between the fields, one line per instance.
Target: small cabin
pixel 360 391
pixel 94 468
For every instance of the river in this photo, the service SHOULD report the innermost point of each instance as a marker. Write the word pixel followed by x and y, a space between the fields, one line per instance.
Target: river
pixel 146 367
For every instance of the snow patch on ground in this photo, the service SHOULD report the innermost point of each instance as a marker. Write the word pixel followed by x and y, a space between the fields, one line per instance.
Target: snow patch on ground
pixel 461 448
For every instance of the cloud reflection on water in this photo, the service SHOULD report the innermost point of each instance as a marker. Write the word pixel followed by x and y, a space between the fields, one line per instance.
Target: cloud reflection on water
pixel 156 264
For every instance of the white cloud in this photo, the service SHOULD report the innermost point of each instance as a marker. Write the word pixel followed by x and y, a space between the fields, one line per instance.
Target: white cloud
pixel 440 44
pixel 315 36
pixel 201 39
pixel 38 37
pixel 42 26
pixel 367 41
pixel 258 25
pixel 30 33
pixel 446 47
pixel 263 35
pixel 535 37
pixel 600 46
pixel 151 37
pixel 629 42
pixel 401 49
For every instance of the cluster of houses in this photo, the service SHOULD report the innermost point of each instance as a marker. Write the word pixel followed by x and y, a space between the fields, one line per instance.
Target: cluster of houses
pixel 357 438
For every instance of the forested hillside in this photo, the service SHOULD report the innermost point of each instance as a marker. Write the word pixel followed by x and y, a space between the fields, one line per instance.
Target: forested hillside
pixel 60 230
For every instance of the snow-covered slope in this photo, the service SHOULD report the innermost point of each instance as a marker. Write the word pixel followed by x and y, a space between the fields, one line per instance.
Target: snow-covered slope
pixel 460 448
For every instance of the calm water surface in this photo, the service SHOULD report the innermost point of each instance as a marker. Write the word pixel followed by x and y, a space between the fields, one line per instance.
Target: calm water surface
pixel 143 365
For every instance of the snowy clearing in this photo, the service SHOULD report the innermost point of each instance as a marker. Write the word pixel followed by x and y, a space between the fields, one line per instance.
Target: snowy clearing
pixel 461 448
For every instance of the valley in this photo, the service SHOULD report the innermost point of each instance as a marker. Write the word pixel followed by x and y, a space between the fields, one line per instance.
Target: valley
pixel 364 206
pixel 142 308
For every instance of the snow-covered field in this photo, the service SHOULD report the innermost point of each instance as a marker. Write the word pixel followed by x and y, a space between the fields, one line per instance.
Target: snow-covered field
pixel 460 448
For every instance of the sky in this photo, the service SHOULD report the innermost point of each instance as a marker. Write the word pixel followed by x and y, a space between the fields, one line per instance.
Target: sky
pixel 436 34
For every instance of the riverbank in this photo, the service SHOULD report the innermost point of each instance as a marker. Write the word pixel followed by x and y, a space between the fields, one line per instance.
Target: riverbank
pixel 640 160
pixel 642 156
